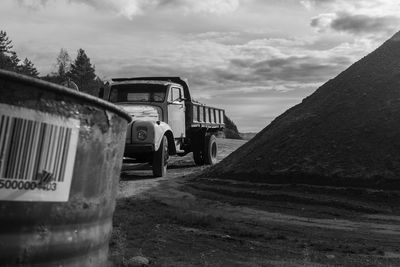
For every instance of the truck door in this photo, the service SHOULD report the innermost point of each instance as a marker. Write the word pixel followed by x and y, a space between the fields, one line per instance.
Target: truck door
pixel 176 111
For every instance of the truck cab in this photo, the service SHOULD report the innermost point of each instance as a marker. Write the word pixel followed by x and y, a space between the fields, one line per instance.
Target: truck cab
pixel 163 120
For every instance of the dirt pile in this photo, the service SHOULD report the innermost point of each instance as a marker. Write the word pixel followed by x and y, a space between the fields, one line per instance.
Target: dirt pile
pixel 346 133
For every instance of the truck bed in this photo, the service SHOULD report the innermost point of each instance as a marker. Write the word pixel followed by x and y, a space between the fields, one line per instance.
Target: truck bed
pixel 205 116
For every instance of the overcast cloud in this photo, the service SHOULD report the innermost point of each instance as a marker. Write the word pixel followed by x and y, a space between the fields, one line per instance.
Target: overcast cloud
pixel 255 58
pixel 380 17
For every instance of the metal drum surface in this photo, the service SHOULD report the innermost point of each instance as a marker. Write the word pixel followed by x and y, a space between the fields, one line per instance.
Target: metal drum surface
pixel 60 158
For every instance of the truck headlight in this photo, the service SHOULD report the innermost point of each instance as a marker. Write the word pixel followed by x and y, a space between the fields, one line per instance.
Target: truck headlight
pixel 141 134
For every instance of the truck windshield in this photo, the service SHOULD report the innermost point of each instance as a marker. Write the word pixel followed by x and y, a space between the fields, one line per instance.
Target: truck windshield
pixel 137 93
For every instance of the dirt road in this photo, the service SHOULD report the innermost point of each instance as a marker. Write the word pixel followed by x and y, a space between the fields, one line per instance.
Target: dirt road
pixel 188 221
pixel 137 178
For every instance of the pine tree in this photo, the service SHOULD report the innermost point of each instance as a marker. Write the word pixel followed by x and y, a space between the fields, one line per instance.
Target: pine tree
pixel 28 68
pixel 14 60
pixel 83 73
pixel 8 58
pixel 5 43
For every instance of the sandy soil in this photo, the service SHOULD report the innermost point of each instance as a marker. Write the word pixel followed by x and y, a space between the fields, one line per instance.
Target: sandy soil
pixel 184 220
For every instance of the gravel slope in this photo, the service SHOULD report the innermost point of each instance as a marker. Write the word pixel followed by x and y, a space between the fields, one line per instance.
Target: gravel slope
pixel 347 133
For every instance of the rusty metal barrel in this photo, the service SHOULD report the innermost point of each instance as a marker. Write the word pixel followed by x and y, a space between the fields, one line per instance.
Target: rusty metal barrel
pixel 60 158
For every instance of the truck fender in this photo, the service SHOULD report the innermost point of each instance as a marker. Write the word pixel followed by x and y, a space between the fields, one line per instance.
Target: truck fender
pixel 171 142
pixel 160 130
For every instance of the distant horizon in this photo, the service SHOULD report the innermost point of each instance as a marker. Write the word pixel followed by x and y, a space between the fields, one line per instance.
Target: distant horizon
pixel 253 58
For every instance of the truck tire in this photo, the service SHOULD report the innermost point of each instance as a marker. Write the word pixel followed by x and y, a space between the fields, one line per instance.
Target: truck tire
pixel 160 159
pixel 210 150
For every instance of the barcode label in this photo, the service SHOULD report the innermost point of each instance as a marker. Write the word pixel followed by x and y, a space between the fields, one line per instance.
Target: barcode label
pixel 37 154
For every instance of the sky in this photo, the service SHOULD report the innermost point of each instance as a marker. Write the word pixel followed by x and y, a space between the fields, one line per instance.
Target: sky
pixel 254 58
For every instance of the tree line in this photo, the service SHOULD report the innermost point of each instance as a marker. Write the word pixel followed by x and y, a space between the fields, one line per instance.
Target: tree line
pixel 231 131
pixel 79 72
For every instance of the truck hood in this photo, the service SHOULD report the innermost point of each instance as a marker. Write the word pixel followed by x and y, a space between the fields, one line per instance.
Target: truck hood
pixel 143 112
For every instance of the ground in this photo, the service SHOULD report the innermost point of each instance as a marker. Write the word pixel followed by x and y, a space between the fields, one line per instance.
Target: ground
pixel 184 220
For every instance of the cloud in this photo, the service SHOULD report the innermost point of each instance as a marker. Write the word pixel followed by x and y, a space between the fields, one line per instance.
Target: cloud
pixel 310 4
pixel 280 74
pixel 132 8
pixel 355 23
pixel 361 17
pixel 299 69
pixel 212 6
pixel 323 21
pixel 364 23
pixel 127 8
pixel 34 4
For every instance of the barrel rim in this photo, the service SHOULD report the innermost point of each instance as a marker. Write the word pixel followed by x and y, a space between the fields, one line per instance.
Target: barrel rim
pixel 16 77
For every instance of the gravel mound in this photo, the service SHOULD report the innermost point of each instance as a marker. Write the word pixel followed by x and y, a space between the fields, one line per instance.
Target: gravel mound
pixel 347 133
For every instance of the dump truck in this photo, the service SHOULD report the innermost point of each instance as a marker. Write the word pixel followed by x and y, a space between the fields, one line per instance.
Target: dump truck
pixel 166 121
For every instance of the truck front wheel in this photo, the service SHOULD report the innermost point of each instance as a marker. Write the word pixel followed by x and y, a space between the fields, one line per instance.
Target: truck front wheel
pixel 160 159
pixel 210 150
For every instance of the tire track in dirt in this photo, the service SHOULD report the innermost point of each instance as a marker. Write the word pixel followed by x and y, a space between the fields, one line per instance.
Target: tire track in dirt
pixel 168 192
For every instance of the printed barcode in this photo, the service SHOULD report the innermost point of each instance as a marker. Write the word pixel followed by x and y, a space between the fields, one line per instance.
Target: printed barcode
pixel 37 154
pixel 32 150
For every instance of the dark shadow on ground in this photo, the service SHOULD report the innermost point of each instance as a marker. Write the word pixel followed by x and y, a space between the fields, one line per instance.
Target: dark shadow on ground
pixel 183 166
pixel 130 176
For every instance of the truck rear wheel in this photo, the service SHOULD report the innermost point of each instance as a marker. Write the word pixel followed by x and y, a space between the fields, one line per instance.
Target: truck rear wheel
pixel 210 150
pixel 160 159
